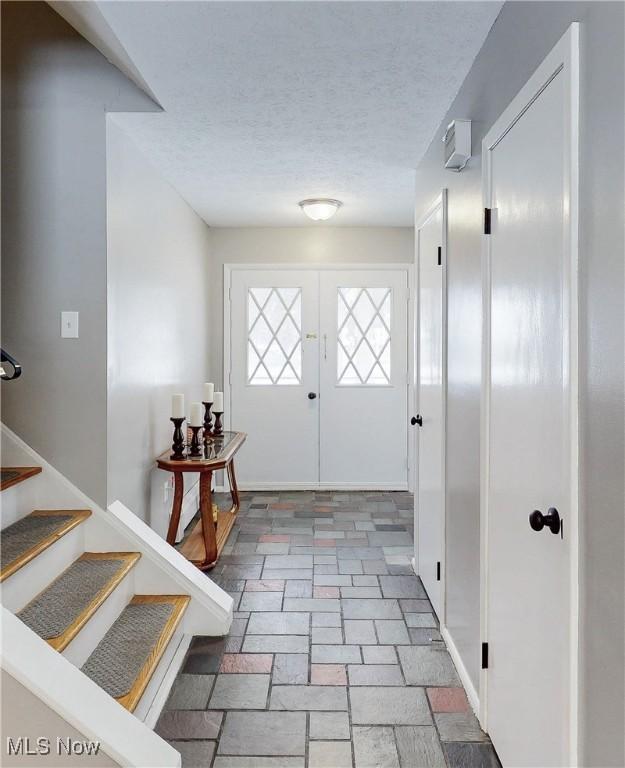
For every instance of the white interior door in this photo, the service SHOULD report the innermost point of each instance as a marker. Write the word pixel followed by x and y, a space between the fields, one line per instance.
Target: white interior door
pixel 530 424
pixel 364 320
pixel 430 496
pixel 274 366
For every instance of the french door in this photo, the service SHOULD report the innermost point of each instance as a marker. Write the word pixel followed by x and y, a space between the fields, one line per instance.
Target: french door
pixel 318 376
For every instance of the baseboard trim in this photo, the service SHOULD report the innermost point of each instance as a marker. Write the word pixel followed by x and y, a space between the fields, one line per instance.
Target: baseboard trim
pixel 472 695
pixel 323 486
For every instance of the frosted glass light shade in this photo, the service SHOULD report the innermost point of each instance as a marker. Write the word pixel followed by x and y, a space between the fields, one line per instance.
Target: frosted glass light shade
pixel 320 209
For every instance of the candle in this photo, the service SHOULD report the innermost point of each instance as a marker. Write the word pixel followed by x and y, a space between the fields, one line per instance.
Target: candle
pixel 196 415
pixel 218 402
pixel 209 391
pixel 177 406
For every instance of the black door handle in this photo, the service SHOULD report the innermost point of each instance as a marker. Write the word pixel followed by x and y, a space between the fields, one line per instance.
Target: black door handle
pixel 312 395
pixel 418 419
pixel 551 520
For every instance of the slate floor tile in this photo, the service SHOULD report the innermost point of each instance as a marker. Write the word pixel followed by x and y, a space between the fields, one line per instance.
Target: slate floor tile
pixel 375 674
pixel 427 666
pixel 298 588
pixel 238 663
pixel 190 692
pixel 375 748
pixel 286 573
pixel 241 761
pixel 328 635
pixel 261 601
pixel 415 606
pixel 326 619
pixel 330 754
pixel 350 566
pixel 424 636
pixel 288 561
pixel 204 655
pixel 370 609
pixel 263 733
pixel 470 755
pixel 418 745
pixel 194 754
pixel 376 567
pixel 274 623
pixel 360 632
pixel 448 700
pixel 290 669
pixel 189 725
pixel 329 725
pixel 292 698
pixel 389 706
pixel 335 654
pixel 392 632
pixel 402 586
pixel 324 605
pixel 459 726
pixel 425 620
pixel 360 592
pixel 275 644
pixel 241 691
pixel 328 674
pixel 379 654
pixel 326 592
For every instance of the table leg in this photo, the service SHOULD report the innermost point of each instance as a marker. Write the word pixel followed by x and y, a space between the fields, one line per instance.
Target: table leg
pixel 206 515
pixel 234 491
pixel 176 509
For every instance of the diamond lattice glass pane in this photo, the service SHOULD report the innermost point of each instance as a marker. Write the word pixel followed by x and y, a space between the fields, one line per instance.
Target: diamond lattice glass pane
pixel 363 325
pixel 274 348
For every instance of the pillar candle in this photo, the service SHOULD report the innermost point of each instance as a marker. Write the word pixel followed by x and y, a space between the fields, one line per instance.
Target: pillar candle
pixel 209 391
pixel 177 406
pixel 196 415
pixel 218 402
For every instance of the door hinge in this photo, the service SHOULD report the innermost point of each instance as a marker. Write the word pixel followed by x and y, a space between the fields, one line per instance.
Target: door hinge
pixel 440 255
pixel 484 655
pixel 229 378
pixel 487 220
pixel 438 571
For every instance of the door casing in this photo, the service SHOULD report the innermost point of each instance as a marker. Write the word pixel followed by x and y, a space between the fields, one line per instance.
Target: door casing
pixel 563 57
pixel 229 268
pixel 440 202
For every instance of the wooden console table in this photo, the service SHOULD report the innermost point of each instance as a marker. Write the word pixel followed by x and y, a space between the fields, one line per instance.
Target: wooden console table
pixel 204 544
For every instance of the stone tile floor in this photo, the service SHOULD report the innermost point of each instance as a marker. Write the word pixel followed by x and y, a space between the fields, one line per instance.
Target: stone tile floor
pixel 334 659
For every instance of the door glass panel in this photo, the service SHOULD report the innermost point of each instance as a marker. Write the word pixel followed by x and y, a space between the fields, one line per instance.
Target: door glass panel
pixel 274 336
pixel 364 336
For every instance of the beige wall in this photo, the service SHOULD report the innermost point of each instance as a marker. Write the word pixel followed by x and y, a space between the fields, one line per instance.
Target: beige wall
pixel 24 715
pixel 158 330
pixel 321 244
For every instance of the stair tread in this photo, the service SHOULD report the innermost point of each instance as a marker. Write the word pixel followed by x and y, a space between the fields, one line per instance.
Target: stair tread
pixel 13 475
pixel 59 612
pixel 126 657
pixel 28 537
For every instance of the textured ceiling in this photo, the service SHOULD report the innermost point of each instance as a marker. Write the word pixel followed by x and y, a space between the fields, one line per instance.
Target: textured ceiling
pixel 266 103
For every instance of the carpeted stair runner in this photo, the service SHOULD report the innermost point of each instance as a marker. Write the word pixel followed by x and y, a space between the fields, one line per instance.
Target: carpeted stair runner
pixel 24 539
pixel 125 658
pixel 58 613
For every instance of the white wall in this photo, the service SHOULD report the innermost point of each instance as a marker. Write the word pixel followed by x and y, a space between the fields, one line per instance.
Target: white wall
pixel 158 332
pixel 56 91
pixel 319 243
pixel 519 40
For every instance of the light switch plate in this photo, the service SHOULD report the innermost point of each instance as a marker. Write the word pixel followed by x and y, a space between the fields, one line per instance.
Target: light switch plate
pixel 69 325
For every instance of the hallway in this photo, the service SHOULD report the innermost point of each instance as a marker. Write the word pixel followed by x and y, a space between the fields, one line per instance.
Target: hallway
pixel 334 659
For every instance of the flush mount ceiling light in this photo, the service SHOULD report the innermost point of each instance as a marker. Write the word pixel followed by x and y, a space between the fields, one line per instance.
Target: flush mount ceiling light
pixel 320 208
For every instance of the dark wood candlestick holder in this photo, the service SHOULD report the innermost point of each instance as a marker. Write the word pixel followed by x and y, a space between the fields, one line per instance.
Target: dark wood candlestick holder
pixel 218 430
pixel 195 441
pixel 178 444
pixel 208 421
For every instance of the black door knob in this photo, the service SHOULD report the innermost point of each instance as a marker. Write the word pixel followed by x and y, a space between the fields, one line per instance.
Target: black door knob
pixel 551 520
pixel 312 395
pixel 418 419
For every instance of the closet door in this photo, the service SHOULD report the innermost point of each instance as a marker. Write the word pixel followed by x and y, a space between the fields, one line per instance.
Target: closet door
pixel 363 378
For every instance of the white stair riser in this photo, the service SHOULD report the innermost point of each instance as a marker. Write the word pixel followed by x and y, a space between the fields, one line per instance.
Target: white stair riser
pixel 19 500
pixel 81 647
pixel 160 674
pixel 31 579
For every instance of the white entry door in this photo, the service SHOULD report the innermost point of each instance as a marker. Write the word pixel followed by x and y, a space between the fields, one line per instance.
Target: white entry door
pixel 530 428
pixel 364 380
pixel 274 367
pixel 430 497
pixel 318 377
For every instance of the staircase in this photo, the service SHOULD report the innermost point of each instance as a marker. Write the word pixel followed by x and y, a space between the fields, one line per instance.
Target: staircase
pixel 102 594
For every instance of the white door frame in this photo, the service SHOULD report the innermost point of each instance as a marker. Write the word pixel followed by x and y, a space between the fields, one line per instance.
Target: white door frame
pixel 440 202
pixel 563 58
pixel 406 267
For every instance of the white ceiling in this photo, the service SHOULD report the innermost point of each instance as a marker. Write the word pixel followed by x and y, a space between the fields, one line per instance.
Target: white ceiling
pixel 266 103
